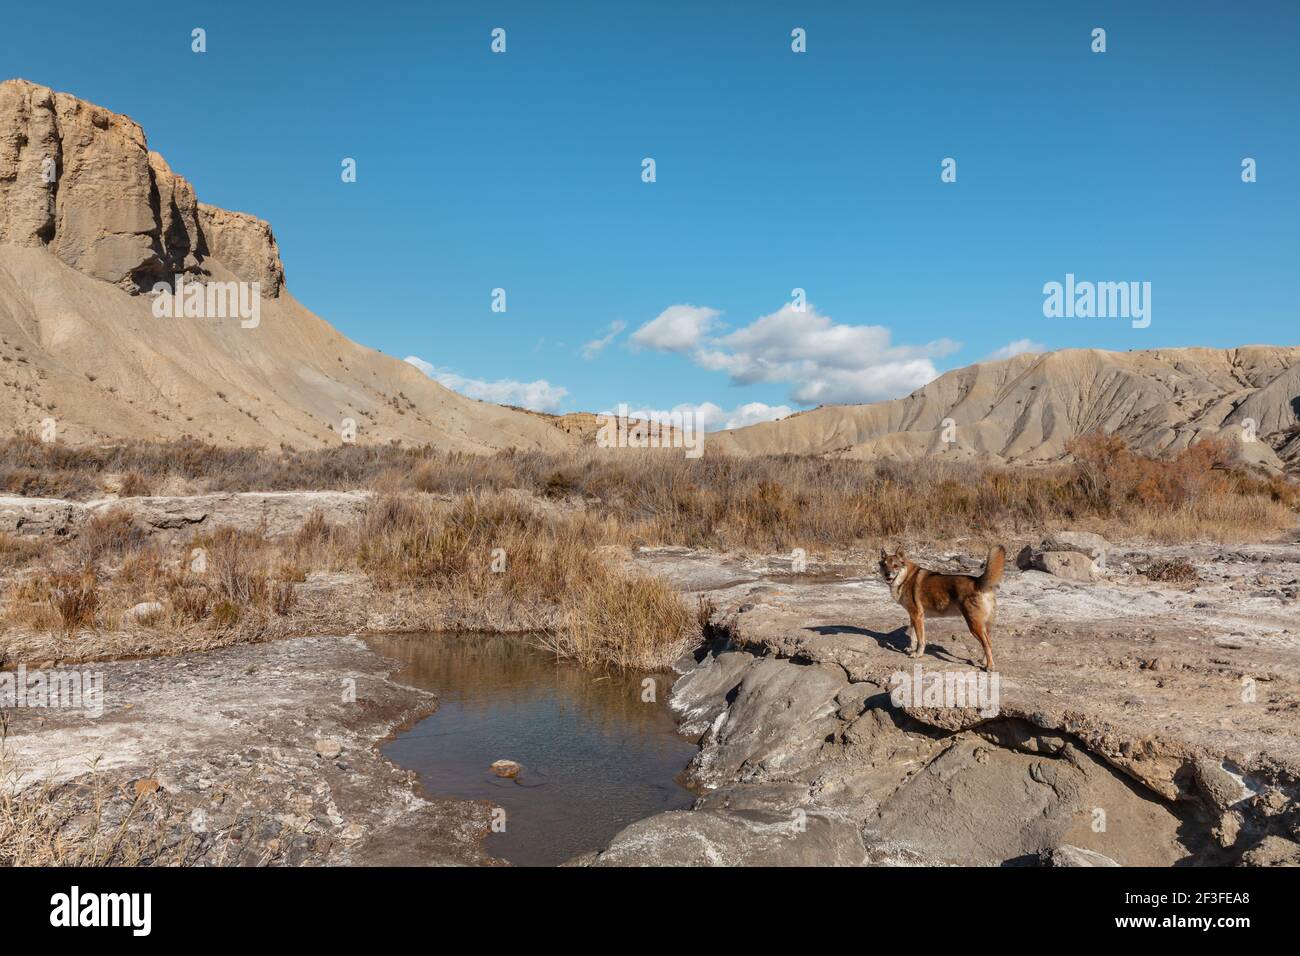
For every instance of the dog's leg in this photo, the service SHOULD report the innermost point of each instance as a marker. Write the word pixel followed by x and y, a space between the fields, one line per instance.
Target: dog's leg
pixel 918 627
pixel 979 627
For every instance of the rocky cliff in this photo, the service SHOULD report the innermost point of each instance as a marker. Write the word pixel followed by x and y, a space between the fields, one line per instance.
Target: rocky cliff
pixel 90 220
pixel 80 181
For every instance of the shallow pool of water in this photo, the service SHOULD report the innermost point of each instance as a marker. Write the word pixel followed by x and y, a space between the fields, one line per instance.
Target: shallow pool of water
pixel 596 755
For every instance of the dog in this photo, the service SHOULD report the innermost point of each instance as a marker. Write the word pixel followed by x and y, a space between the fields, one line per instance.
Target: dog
pixel 922 592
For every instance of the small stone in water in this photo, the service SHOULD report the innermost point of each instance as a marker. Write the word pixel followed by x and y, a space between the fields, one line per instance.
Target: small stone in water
pixel 506 768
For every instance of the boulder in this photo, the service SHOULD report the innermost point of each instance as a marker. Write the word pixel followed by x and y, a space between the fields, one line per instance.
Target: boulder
pixel 771 724
pixel 1066 855
pixel 1074 555
pixel 1219 788
pixel 1071 565
pixel 144 610
pixel 1085 542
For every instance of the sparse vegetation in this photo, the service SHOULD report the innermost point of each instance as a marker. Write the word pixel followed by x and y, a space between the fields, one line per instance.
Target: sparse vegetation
pixel 528 542
pixel 715 501
pixel 87 821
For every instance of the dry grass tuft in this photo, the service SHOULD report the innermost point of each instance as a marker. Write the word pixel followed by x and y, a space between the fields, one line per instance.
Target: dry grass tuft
pixel 629 622
pixel 83 823
pixel 109 536
pixel 75 598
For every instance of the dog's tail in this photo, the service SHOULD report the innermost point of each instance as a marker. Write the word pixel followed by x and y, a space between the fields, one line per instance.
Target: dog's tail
pixel 992 569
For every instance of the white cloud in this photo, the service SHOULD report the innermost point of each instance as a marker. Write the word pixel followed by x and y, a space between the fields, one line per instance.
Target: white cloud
pixel 823 361
pixel 751 413
pixel 596 346
pixel 1017 347
pixel 678 328
pixel 540 396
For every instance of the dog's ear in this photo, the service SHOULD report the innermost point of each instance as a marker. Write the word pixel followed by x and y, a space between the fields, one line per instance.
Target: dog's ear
pixel 899 552
pixel 883 554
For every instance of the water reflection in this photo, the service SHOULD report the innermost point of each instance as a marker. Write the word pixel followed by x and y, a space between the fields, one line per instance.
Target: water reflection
pixel 596 755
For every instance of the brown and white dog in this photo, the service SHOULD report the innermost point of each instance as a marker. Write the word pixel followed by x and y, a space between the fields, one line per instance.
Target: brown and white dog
pixel 922 592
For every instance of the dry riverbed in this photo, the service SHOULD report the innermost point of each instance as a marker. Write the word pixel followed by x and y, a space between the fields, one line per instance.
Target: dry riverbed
pixel 1137 722
pixel 248 755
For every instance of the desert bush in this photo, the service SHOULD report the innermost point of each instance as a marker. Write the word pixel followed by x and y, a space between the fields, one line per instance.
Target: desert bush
pixel 134 485
pixel 283 597
pixel 237 574
pixel 190 599
pixel 1109 475
pixel 16 552
pixel 74 595
pixel 109 535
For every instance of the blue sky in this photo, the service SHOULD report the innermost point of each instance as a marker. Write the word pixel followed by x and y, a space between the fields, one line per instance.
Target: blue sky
pixel 775 170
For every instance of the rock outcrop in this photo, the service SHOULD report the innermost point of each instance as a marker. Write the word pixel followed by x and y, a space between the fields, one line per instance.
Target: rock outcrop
pixel 178 218
pixel 245 244
pixel 76 178
pixel 79 180
pixel 249 755
pixel 1088 756
pixel 273 514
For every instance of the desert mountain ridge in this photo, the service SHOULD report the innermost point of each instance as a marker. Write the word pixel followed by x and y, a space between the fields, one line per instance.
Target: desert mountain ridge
pixel 1027 408
pixel 91 220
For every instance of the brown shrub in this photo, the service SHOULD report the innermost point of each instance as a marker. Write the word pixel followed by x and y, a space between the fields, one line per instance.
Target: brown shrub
pixel 624 622
pixel 75 598
pixel 109 534
pixel 18 552
pixel 189 599
pixel 134 485
pixel 1109 475
pixel 283 598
